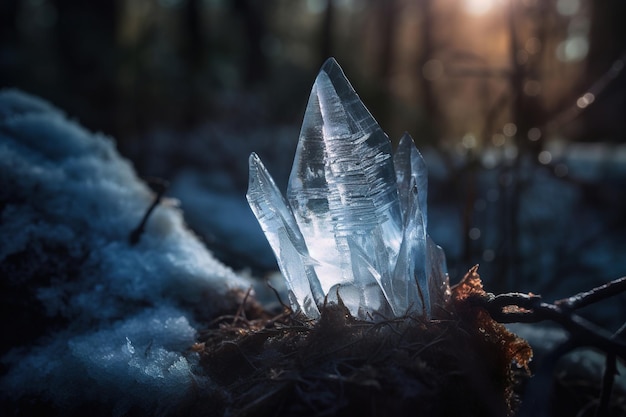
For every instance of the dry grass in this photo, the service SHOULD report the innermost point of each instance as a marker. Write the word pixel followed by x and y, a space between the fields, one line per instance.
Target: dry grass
pixel 460 364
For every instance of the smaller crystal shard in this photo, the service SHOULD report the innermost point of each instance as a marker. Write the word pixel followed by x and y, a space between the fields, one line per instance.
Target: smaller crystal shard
pixel 281 230
pixel 408 287
pixel 439 282
pixel 409 163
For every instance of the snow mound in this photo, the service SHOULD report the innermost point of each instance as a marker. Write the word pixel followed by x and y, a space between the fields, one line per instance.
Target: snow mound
pixel 93 316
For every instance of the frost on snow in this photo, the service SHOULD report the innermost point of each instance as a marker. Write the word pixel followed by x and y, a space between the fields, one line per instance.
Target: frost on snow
pixel 354 226
pixel 88 316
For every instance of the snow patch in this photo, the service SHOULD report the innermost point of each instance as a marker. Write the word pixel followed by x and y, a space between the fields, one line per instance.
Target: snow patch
pixel 92 317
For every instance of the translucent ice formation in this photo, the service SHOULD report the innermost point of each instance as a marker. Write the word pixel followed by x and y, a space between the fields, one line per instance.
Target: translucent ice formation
pixel 354 226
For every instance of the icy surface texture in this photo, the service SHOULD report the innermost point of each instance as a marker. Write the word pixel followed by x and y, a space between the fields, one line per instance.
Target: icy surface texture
pixel 355 227
pixel 90 318
pixel 141 363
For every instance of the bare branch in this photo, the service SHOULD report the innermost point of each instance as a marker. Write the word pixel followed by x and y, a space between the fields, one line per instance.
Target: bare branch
pixel 600 293
pixel 161 186
pixel 528 308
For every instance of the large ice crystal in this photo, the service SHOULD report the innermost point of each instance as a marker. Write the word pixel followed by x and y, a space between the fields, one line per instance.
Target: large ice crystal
pixel 354 227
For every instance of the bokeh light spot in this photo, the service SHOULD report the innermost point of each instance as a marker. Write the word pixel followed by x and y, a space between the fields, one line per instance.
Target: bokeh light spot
pixel 489 255
pixel 532 45
pixel 490 158
pixel 532 88
pixel 509 129
pixel 573 49
pixel 585 100
pixel 534 134
pixel 432 69
pixel 510 152
pixel 561 170
pixel 545 157
pixel 567 7
pixel 469 141
pixel 316 6
pixel 478 7
pixel 498 139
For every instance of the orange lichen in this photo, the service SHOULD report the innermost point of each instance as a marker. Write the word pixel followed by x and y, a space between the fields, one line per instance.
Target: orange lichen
pixel 496 341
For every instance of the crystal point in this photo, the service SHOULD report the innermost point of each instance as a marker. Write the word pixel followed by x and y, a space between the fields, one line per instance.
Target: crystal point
pixel 355 226
pixel 342 186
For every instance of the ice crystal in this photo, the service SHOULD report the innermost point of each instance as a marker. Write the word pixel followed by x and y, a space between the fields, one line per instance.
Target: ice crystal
pixel 355 225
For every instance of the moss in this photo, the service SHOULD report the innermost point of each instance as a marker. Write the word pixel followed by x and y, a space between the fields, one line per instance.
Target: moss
pixel 457 365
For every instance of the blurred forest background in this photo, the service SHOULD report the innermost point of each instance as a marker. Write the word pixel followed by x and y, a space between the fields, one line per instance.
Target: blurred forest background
pixel 519 107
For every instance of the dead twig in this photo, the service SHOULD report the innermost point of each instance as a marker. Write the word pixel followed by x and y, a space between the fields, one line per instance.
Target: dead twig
pixel 277 294
pixel 241 311
pixel 160 186
pixel 600 293
pixel 524 308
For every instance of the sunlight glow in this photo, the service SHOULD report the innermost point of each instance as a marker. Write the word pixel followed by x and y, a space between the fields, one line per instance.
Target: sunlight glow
pixel 479 7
